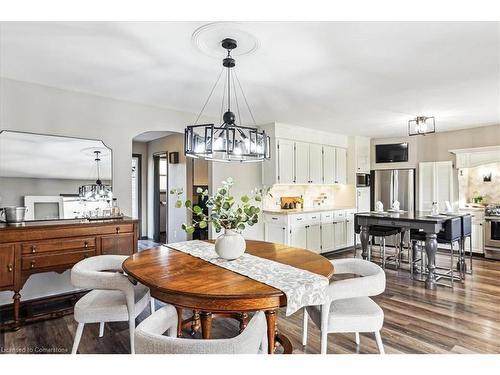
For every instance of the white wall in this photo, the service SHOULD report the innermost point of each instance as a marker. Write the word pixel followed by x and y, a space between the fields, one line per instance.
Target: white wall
pixel 41 109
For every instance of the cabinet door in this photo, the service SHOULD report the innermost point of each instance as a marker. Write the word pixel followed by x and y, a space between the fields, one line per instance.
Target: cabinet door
pixel 477 235
pixel 362 155
pixel 328 165
pixel 315 164
pixel 6 265
pixel 349 231
pixel 286 167
pixel 339 234
pixel 119 244
pixel 327 237
pixel 275 233
pixel 443 185
pixel 298 237
pixel 341 165
pixel 314 238
pixel 301 163
pixel 425 186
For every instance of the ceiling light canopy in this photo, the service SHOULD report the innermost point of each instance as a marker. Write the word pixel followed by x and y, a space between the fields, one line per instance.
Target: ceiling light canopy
pixel 421 125
pixel 229 141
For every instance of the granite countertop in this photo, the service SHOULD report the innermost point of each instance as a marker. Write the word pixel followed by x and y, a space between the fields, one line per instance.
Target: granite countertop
pixel 305 210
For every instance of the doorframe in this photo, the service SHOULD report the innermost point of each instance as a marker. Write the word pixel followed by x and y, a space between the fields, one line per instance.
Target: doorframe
pixel 139 192
pixel 156 195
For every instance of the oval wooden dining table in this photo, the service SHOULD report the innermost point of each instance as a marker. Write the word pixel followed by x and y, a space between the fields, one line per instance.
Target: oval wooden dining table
pixel 188 282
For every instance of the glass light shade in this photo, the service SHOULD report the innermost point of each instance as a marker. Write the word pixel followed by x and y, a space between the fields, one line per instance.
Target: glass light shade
pixel 421 125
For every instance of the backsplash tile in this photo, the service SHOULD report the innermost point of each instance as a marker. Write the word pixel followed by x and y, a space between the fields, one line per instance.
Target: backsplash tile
pixel 308 192
pixel 470 180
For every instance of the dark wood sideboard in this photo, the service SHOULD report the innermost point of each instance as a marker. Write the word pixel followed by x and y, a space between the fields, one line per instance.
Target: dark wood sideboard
pixel 46 246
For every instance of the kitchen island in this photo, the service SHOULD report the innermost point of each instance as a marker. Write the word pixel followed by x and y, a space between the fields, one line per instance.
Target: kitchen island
pixel 430 225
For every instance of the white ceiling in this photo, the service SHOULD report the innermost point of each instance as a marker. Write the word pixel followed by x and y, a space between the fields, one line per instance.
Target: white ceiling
pixel 150 136
pixel 42 156
pixel 365 78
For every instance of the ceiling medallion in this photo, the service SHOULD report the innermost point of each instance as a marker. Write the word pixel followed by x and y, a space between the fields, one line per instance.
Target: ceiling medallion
pixel 421 125
pixel 229 141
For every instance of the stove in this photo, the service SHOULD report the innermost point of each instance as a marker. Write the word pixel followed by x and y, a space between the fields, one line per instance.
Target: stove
pixel 492 231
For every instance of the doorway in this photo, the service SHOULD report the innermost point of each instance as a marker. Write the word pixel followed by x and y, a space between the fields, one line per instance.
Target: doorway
pixel 137 189
pixel 160 198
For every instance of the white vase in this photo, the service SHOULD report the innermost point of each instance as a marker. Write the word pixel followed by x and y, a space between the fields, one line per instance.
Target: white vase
pixel 230 245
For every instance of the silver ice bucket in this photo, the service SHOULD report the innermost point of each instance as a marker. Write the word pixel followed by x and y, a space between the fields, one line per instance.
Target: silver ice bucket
pixel 13 214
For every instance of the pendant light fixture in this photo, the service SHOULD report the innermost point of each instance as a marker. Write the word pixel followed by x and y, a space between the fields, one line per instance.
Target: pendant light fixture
pixel 421 125
pixel 229 141
pixel 97 191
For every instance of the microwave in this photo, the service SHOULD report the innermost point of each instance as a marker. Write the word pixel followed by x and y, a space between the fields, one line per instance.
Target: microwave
pixel 363 179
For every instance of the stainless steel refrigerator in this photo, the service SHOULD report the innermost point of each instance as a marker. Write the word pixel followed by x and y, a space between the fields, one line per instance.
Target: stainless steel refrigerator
pixel 393 184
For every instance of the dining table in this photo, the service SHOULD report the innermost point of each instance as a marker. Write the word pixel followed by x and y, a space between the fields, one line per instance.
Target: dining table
pixel 189 282
pixel 424 221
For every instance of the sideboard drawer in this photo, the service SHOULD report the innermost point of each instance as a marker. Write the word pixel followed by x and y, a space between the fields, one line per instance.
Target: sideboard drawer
pixel 35 262
pixel 116 229
pixel 58 245
pixel 118 244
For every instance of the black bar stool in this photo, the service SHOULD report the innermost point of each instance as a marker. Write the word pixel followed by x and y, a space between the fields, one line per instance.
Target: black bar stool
pixel 451 234
pixel 466 234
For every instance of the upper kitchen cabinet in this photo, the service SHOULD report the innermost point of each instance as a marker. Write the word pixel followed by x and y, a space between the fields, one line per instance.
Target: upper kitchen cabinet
pixel 435 184
pixel 306 163
pixel 362 149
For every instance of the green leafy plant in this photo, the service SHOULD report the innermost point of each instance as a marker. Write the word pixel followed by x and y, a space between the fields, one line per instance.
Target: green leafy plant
pixel 225 211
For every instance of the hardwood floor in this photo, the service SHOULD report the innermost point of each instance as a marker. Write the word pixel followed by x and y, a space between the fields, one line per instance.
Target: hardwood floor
pixel 463 320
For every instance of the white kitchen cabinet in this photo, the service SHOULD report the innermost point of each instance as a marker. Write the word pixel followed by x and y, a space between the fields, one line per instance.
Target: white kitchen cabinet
pixel 362 146
pixel 349 229
pixel 477 235
pixel 339 234
pixel 313 234
pixel 301 163
pixel 276 233
pixel 340 165
pixel 286 161
pixel 363 199
pixel 435 184
pixel 327 237
pixel 315 164
pixel 328 165
pixel 298 236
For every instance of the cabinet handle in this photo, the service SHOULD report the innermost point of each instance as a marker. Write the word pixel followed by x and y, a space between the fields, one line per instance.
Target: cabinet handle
pixel 32 264
pixel 299 219
pixel 33 248
pixel 10 268
pixel 86 244
pixel 274 218
pixel 117 230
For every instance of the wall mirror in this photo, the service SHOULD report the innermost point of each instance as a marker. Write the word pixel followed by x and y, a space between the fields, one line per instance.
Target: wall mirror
pixel 55 177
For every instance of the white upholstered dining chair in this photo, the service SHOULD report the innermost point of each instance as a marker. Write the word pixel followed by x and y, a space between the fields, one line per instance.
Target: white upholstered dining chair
pixel 113 299
pixel 150 339
pixel 350 308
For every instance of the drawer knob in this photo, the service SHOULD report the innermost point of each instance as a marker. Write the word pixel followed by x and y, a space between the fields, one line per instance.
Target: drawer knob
pixel 117 230
pixel 32 264
pixel 86 244
pixel 10 268
pixel 33 248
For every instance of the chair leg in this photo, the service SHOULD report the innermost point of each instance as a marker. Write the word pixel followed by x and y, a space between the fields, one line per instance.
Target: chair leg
pixel 131 327
pixel 101 329
pixel 470 253
pixel 152 304
pixel 356 338
pixel 379 342
pixel 383 252
pixel 325 311
pixel 78 336
pixel 304 328
pixel 452 266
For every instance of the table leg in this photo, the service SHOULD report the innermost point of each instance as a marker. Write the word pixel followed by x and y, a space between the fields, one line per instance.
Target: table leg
pixel 195 322
pixel 206 324
pixel 430 250
pixel 179 321
pixel 17 299
pixel 271 330
pixel 243 318
pixel 364 236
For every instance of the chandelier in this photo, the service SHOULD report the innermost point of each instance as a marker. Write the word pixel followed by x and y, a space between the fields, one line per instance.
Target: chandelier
pixel 421 125
pixel 229 141
pixel 97 191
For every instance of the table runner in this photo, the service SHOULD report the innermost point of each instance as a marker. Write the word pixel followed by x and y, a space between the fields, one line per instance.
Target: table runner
pixel 301 287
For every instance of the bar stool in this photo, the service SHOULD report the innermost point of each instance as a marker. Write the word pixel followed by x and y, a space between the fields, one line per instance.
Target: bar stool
pixel 384 232
pixel 451 234
pixel 466 233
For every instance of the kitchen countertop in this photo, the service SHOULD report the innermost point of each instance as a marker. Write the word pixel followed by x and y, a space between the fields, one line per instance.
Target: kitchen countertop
pixel 305 210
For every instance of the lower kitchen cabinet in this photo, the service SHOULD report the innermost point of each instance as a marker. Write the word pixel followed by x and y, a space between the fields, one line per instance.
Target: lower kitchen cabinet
pixel 6 265
pixel 276 233
pixel 313 235
pixel 339 234
pixel 477 237
pixel 298 237
pixel 327 237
